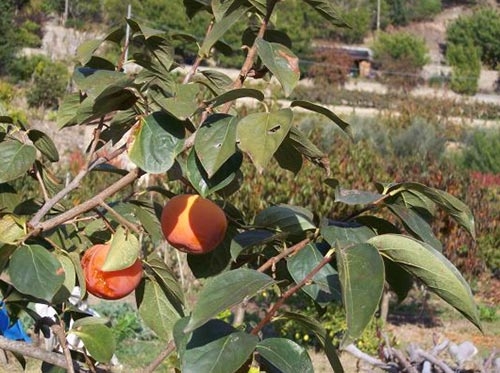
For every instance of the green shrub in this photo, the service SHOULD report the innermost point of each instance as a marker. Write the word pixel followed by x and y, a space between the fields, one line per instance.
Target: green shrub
pixel 6 92
pixel 397 52
pixel 22 68
pixel 28 34
pixel 482 152
pixel 50 80
pixel 482 29
pixel 466 67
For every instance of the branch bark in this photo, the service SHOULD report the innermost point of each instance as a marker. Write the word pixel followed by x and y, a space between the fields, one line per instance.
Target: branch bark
pixel 272 311
pixel 85 206
pixel 27 349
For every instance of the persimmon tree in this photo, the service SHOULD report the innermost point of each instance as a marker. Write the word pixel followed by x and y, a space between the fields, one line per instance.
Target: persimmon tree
pixel 188 129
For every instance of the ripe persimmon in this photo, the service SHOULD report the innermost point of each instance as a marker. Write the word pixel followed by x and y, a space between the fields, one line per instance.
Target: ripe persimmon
pixel 193 224
pixel 109 284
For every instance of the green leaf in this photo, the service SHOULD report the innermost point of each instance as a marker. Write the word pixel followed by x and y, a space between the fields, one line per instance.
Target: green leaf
pixel 183 102
pixel 199 179
pixel 156 310
pixel 261 134
pixel 307 148
pixel 69 278
pixel 168 282
pixel 157 141
pixel 452 205
pixel 326 9
pixel 234 94
pixel 34 271
pixel 248 239
pixel 288 157
pixel 9 198
pixel 416 225
pixel 345 234
pixel 219 28
pixel 314 326
pixel 98 340
pixel 325 285
pixel 216 81
pixel 226 354
pixel 361 273
pixel 346 127
pixel 45 144
pixel 432 268
pixel 215 141
pixel 17 158
pixel 281 62
pixel 67 113
pixel 123 252
pixel 285 355
pixel 355 197
pixel 12 228
pixel 86 49
pixel 285 218
pixel 400 281
pixel 225 290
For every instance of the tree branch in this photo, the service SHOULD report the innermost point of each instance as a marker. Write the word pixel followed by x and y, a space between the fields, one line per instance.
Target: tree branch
pixel 27 349
pixel 269 315
pixel 85 206
pixel 198 60
pixel 252 52
pixel 162 356
pixel 288 251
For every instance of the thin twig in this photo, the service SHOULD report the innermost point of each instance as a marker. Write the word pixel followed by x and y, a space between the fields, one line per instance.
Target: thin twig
pixel 38 176
pixel 85 206
pixel 133 227
pixel 270 313
pixel 433 360
pixel 288 251
pixel 252 52
pixel 29 350
pixel 162 356
pixel 356 352
pixel 198 60
pixel 58 330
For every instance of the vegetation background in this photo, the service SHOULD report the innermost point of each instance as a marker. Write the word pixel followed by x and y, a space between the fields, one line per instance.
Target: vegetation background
pixel 434 141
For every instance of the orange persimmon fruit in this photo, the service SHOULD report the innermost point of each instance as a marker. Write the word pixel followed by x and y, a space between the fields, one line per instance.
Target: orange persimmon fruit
pixel 110 284
pixel 193 224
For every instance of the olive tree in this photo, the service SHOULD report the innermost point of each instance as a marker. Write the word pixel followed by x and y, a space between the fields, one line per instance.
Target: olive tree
pixel 189 129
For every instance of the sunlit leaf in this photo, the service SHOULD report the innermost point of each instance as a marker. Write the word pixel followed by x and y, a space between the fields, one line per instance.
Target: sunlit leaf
pixel 225 290
pixel 123 252
pixel 432 268
pixel 285 218
pixel 361 273
pixel 325 286
pixel 285 355
pixel 215 141
pixel 44 144
pixel 168 281
pixel 281 62
pixel 35 271
pixel 346 234
pixel 326 9
pixel 12 228
pixel 98 340
pixel 326 112
pixel 17 158
pixel 260 135
pixel 225 354
pixel 233 95
pixel 156 310
pixel 452 205
pixel 157 141
pixel 219 29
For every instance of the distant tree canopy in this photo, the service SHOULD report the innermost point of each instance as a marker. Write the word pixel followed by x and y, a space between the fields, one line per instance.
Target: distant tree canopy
pixel 482 29
pixel 397 53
